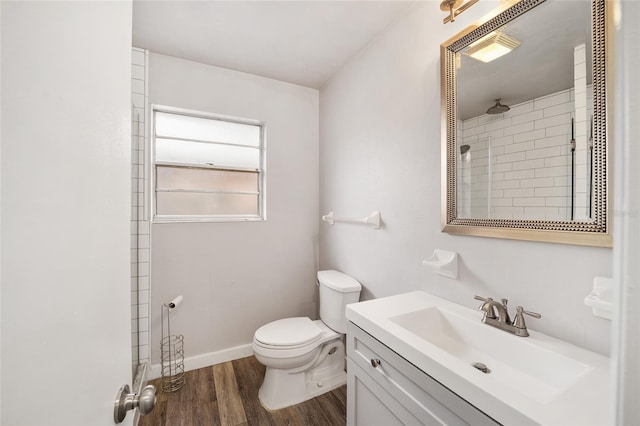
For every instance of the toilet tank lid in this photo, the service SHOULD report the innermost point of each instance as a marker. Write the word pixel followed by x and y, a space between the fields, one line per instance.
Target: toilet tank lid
pixel 338 281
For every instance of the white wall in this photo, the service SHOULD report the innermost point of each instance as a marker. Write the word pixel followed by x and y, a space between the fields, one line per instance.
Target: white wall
pixel 236 277
pixel 66 161
pixel 380 150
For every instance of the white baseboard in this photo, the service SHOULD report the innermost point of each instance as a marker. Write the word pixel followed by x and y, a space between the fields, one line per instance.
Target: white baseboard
pixel 205 360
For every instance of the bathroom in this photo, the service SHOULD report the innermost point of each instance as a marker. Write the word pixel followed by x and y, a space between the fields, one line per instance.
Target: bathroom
pixel 368 138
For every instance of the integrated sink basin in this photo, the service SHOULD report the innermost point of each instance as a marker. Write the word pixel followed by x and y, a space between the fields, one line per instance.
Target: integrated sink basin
pixel 514 380
pixel 526 368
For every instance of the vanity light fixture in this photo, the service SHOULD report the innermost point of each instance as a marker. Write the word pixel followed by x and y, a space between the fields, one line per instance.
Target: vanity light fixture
pixel 491 47
pixel 455 8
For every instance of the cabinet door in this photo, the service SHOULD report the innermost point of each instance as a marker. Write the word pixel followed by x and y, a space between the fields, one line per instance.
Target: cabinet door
pixel 368 404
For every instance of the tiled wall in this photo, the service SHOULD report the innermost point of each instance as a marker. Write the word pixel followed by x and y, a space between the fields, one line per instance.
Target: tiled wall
pixel 583 113
pixel 523 159
pixel 140 235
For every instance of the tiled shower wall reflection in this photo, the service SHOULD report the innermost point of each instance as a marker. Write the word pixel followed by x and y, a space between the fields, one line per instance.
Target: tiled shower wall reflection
pixel 140 235
pixel 522 159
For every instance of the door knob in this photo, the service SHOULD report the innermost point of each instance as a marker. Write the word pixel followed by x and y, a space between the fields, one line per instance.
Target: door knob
pixel 126 401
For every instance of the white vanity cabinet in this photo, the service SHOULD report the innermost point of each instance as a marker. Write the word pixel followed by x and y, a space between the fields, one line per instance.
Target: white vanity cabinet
pixel 385 389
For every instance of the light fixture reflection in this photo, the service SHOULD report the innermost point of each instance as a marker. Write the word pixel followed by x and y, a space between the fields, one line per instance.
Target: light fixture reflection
pixel 491 47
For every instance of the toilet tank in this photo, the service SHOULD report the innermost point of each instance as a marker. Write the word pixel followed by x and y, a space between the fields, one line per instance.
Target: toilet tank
pixel 337 290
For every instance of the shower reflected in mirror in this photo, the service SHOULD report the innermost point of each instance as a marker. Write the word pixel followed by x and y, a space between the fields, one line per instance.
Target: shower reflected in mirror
pixel 498 108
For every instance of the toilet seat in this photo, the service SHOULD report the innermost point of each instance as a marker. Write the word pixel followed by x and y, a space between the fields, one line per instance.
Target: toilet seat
pixel 288 333
pixel 283 352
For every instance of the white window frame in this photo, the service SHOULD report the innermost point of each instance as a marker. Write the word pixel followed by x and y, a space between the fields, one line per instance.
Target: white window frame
pixel 151 170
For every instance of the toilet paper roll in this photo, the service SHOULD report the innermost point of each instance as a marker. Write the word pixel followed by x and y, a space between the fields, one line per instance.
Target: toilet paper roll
pixel 174 303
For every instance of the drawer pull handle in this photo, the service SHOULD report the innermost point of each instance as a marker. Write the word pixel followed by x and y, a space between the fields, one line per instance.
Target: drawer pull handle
pixel 375 362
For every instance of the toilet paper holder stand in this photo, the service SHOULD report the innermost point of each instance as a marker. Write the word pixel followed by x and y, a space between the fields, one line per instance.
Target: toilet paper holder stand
pixel 171 351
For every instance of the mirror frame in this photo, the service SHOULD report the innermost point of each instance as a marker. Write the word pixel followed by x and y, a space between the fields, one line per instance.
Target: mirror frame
pixel 596 232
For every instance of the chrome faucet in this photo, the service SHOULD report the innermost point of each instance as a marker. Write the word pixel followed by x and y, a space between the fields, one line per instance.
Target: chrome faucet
pixel 502 321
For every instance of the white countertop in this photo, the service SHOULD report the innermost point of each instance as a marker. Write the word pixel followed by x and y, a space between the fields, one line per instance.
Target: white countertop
pixel 585 401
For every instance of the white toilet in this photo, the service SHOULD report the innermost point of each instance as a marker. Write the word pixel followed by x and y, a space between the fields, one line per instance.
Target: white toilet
pixel 306 358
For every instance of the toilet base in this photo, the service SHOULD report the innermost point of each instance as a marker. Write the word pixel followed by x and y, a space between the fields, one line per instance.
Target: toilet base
pixel 283 388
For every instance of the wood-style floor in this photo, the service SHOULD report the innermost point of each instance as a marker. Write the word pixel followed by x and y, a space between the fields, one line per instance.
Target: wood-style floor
pixel 227 394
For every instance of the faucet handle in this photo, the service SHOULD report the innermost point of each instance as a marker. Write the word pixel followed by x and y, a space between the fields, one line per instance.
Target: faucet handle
pixel 519 322
pixel 532 314
pixel 486 300
pixel 486 307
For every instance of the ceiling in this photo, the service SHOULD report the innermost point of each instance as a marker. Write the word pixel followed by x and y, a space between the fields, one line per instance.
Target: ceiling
pixel 541 65
pixel 307 42
pixel 301 42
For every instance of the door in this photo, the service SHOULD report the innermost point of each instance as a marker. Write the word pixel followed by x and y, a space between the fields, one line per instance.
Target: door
pixel 626 246
pixel 66 315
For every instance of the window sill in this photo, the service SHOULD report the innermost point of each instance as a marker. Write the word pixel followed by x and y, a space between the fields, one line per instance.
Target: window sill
pixel 205 219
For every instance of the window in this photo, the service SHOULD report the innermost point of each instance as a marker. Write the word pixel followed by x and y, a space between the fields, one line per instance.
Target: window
pixel 206 167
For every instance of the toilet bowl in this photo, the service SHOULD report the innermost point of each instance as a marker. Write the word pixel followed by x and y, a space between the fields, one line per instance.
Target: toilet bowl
pixel 306 358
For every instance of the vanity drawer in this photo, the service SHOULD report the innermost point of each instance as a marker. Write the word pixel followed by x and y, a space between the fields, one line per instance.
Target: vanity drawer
pixel 422 396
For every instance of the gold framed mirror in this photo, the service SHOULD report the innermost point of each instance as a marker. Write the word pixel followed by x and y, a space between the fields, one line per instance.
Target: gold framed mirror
pixel 524 124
